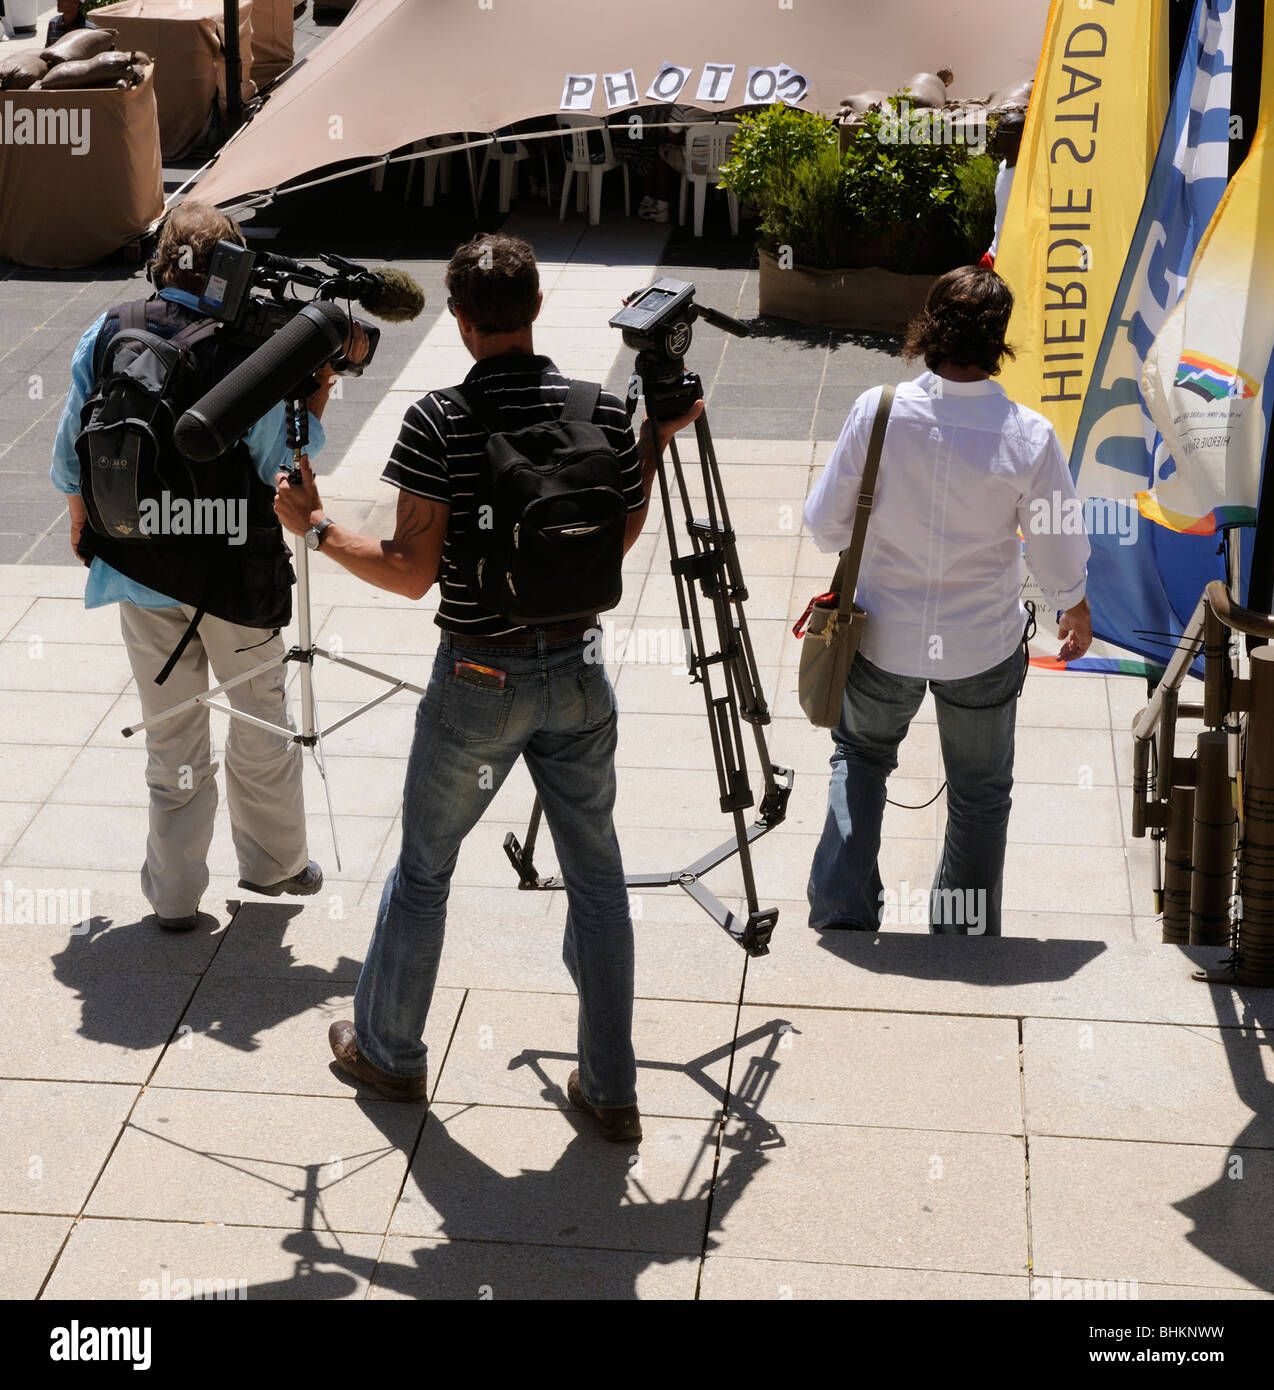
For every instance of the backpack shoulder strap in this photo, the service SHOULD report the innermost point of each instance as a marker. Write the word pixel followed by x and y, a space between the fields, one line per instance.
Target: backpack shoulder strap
pixel 132 316
pixel 195 332
pixel 581 400
pixel 474 404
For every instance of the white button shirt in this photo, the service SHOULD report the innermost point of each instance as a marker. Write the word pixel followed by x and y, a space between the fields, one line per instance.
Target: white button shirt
pixel 942 568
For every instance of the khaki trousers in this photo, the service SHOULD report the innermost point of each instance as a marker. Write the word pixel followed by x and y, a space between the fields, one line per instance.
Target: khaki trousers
pixel 263 770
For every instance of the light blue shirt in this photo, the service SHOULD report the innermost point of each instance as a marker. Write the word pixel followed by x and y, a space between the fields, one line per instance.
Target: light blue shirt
pixel 266 441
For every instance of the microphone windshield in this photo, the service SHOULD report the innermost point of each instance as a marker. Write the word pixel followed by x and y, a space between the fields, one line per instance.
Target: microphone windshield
pixel 395 296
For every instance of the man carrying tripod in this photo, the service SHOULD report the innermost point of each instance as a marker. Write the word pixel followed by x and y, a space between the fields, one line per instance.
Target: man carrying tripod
pixel 505 683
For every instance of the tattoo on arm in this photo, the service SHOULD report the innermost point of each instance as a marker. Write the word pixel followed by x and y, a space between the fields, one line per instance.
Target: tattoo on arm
pixel 417 521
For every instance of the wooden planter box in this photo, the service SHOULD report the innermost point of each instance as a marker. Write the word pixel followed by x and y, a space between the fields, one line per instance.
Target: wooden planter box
pixel 866 301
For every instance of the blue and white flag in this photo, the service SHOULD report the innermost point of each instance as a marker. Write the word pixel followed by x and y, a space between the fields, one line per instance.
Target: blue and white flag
pixel 1145 581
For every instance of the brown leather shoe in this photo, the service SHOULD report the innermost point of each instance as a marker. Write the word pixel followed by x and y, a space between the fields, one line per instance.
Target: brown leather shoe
pixel 345 1049
pixel 620 1124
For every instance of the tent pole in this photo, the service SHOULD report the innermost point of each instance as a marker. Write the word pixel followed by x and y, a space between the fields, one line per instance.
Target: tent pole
pixel 234 66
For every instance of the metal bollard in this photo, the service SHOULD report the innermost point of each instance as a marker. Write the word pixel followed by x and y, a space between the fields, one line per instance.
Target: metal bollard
pixel 1255 955
pixel 1177 865
pixel 1214 842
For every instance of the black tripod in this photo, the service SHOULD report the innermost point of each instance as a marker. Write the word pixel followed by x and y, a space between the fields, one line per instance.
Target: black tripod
pixel 709 567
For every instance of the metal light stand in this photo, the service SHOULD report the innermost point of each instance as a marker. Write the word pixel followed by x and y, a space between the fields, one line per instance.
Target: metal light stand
pixel 310 735
pixel 711 566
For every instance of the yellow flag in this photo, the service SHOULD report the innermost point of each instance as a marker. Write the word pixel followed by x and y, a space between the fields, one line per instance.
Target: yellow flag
pixel 1097 111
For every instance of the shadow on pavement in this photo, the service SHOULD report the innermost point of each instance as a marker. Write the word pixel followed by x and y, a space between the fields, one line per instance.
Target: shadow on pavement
pixel 1231 1216
pixel 970 960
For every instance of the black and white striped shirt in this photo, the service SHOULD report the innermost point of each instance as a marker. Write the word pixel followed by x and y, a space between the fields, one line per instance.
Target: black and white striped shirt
pixel 440 450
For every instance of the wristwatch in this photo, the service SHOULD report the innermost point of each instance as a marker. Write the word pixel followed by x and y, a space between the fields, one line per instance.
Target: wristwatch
pixel 314 536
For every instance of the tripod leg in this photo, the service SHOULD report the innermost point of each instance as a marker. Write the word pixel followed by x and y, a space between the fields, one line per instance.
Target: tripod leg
pixel 522 856
pixel 320 760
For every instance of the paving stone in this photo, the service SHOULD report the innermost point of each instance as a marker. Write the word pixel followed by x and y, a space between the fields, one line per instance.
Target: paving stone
pixel 122 936
pixel 549 1178
pixel 86 1025
pixel 31 1244
pixel 1009 977
pixel 725 1277
pixel 29 716
pixel 271 1036
pixel 1157 1213
pixel 904 1198
pixel 518 1050
pixel 57 666
pixel 303 1162
pixel 11 610
pixel 911 1071
pixel 1048 814
pixel 414 1267
pixel 1147 1081
pixel 167 1260
pixel 56 1139
pixel 59 620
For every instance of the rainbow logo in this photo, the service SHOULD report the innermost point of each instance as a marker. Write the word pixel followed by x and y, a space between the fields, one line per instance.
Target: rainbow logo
pixel 1213 380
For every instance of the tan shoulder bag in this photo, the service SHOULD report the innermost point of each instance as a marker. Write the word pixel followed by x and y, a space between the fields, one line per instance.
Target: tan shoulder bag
pixel 831 628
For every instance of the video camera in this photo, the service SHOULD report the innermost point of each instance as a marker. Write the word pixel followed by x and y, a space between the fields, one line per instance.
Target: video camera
pixel 657 323
pixel 287 338
pixel 234 273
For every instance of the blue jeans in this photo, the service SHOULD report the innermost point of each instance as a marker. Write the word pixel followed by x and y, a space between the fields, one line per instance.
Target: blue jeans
pixel 976 718
pixel 558 711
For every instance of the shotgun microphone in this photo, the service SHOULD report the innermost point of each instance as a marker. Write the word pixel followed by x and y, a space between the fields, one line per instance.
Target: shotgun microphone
pixel 273 373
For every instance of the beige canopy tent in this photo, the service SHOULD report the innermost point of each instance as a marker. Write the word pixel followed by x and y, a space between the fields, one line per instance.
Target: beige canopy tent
pixel 398 71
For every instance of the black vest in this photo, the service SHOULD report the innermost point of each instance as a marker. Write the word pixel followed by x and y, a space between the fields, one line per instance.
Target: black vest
pixel 248 583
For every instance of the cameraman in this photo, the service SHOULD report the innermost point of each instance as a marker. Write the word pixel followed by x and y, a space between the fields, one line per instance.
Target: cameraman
pixel 550 704
pixel 263 770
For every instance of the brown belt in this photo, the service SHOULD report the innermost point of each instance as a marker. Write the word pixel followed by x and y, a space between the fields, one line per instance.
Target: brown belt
pixel 529 637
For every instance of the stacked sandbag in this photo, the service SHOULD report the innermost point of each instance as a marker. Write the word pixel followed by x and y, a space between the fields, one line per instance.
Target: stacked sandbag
pixel 19 73
pixel 111 69
pixel 931 91
pixel 84 58
pixel 78 45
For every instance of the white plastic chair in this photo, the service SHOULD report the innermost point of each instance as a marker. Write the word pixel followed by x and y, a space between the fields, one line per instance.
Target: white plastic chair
pixel 509 161
pixel 579 162
pixel 707 149
pixel 436 169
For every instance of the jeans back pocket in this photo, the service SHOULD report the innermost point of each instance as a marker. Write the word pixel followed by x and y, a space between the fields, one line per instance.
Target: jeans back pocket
pixel 475 712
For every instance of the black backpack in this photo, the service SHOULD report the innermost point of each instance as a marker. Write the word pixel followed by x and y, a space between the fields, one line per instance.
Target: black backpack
pixel 545 543
pixel 147 373
pixel 132 477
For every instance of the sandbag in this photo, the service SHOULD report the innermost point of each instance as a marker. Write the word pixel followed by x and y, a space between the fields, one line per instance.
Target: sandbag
pixel 860 102
pixel 78 45
pixel 927 90
pixel 104 70
pixel 21 71
pixel 1018 95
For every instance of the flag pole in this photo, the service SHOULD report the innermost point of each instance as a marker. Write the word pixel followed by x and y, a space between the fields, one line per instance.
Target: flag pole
pixel 1249 31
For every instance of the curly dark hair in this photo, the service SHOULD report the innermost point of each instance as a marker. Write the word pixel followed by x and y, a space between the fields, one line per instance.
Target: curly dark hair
pixel 187 238
pixel 964 321
pixel 493 281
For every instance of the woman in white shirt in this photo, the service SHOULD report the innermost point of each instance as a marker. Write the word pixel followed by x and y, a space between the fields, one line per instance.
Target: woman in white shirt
pixel 940 580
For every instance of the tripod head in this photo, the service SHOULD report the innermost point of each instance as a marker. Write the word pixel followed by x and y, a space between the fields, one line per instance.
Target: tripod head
pixel 657 323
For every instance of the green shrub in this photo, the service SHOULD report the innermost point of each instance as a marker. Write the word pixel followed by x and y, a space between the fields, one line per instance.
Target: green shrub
pixel 906 206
